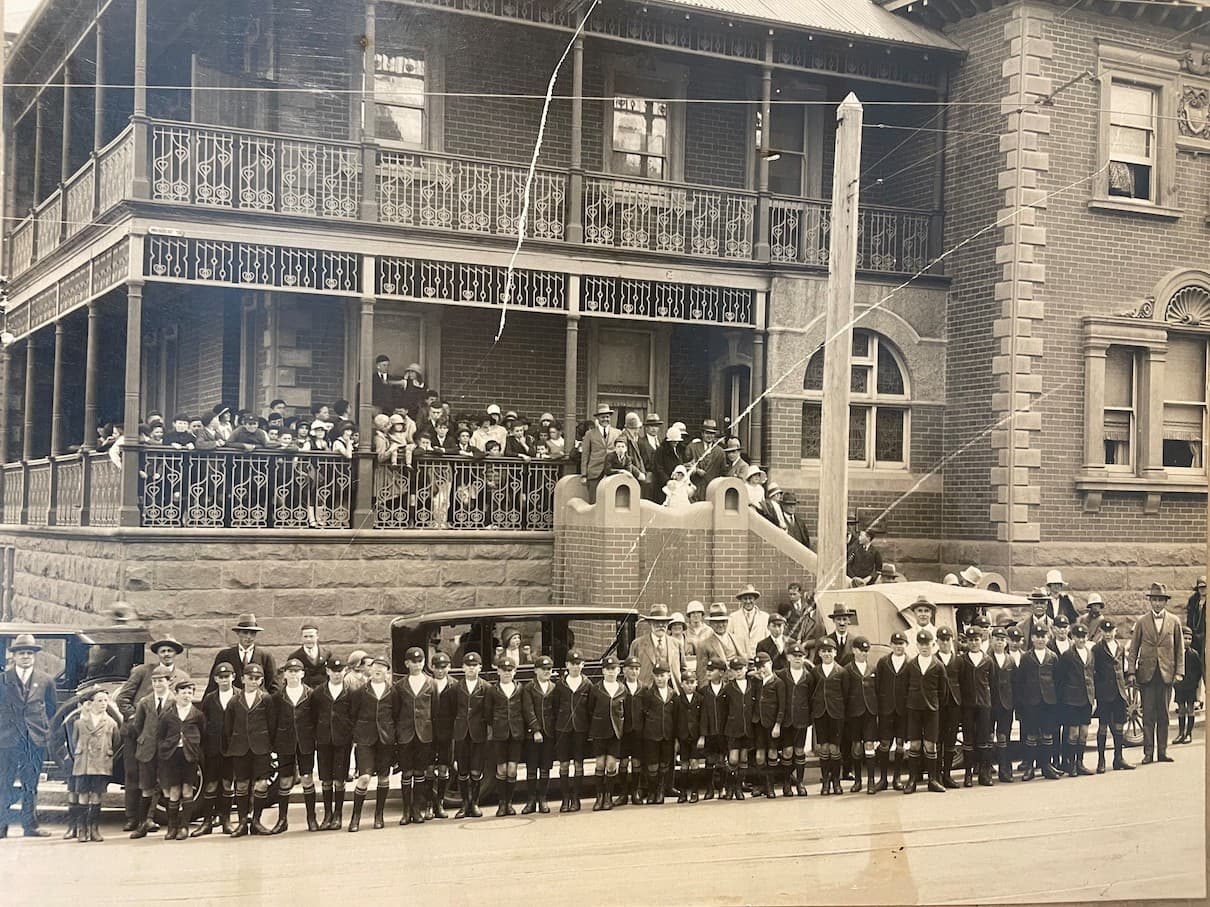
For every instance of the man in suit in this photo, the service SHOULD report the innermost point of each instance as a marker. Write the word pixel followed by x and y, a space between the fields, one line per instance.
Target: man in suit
pixel 775 645
pixel 1157 660
pixel 705 456
pixel 244 653
pixel 313 656
pixel 748 624
pixel 804 623
pixel 27 704
pixel 138 685
pixel 926 681
pixel 595 447
pixel 770 508
pixel 142 740
pixel 1039 603
pixel 795 525
pixel 416 706
pixel 1059 602
pixel 387 387
pixel 646 446
pixel 719 646
pixel 840 634
pixel 657 647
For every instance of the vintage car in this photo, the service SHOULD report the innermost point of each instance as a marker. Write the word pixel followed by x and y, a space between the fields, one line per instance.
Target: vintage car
pixel 79 659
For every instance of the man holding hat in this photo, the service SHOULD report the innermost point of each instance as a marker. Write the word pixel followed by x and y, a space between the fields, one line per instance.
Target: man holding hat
pixel 1157 660
pixel 595 447
pixel 1060 602
pixel 657 647
pixel 705 456
pixel 244 653
pixel 27 704
pixel 720 645
pixel 137 686
pixel 747 624
pixel 313 656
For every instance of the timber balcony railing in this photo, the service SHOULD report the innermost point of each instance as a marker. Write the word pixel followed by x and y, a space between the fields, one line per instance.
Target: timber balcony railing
pixel 220 168
pixel 278 490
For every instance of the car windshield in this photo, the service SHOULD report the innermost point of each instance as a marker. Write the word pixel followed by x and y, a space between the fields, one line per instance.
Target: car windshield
pixel 105 662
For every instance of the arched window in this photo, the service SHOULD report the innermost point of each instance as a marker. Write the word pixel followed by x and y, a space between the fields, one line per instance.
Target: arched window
pixel 879 418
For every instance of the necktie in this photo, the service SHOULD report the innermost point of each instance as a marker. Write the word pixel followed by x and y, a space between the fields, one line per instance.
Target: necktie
pixel 159 706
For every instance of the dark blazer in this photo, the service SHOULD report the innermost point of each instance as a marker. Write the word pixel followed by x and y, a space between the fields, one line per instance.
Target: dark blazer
pixel 634 714
pixel 373 718
pixel 414 712
pixel 844 653
pixel 830 695
pixel 538 708
pixel 689 717
pixel 976 681
pixel 925 687
pixel 213 717
pixel 294 725
pixel 230 656
pixel 474 712
pixel 798 530
pixel 862 695
pixel 138 685
pixel 891 686
pixel 25 713
pixel 1074 679
pixel 314 672
pixel 508 720
pixel 608 713
pixel 573 709
pixel 1109 674
pixel 951 691
pixel 769 647
pixel 741 707
pixel 249 730
pixel 658 717
pixel 771 703
pixel 172 729
pixel 1037 679
pixel 447 710
pixel 798 697
pixel 1002 681
pixel 714 710
pixel 333 717
pixel 143 727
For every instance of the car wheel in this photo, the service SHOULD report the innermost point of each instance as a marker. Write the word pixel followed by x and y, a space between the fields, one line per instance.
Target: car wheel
pixel 1133 729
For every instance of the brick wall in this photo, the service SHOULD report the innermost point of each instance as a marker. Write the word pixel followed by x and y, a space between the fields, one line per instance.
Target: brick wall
pixel 719 136
pixel 199 320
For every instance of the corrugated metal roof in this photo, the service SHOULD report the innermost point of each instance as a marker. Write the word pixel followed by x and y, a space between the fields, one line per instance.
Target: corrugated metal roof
pixel 859 18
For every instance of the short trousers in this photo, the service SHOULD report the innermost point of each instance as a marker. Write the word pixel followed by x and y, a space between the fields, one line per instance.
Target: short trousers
pixel 892 726
pixel 658 753
pixel 1112 711
pixel 509 750
pixel 1077 715
pixel 443 750
pixel 607 746
pixel 540 755
pixel 413 757
pixel 148 777
pixel 923 725
pixel 828 730
pixel 862 728
pixel 216 768
pixel 795 737
pixel 374 758
pixel 294 765
pixel 251 767
pixel 469 755
pixel 176 770
pixel 90 784
pixel 333 761
pixel 571 746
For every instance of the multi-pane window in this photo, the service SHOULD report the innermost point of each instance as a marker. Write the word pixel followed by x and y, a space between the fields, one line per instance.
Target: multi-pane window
pixel 878 411
pixel 1185 395
pixel 400 108
pixel 640 137
pixel 1119 406
pixel 1132 140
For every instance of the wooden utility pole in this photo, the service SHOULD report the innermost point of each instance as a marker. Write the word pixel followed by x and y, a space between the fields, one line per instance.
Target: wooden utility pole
pixel 838 348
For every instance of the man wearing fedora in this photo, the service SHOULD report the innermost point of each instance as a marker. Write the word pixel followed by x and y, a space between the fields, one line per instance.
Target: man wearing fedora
pixel 923 614
pixel 735 465
pixel 1039 603
pixel 771 507
pixel 27 703
pixel 706 456
pixel 595 447
pixel 657 647
pixel 719 646
pixel 840 634
pixel 645 447
pixel 244 653
pixel 1157 661
pixel 748 624
pixel 795 525
pixel 138 685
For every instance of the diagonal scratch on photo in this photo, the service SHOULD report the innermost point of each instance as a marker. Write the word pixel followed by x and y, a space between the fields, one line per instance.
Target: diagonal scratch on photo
pixel 485 415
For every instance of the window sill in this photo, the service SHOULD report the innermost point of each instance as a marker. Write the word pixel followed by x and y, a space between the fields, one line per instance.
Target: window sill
pixel 860 478
pixel 1094 484
pixel 1134 206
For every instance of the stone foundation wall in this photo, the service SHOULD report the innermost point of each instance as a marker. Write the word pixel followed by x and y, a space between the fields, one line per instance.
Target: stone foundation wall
pixel 194 588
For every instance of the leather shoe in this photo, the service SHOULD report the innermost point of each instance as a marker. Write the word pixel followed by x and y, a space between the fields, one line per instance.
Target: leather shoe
pixel 1148 759
pixel 1165 758
pixel 1122 765
pixel 130 825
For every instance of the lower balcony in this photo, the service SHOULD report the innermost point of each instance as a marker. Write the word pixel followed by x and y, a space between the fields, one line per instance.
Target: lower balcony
pixel 279 490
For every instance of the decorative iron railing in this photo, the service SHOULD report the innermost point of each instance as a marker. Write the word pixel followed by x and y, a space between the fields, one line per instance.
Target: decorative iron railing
pixel 888 239
pixel 80 192
pixel 448 493
pixel 668 217
pixel 253 171
pixel 469 196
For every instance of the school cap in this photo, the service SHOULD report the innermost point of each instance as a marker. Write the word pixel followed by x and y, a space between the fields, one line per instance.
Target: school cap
pixel 1106 625
pixel 183 684
pixel 632 662
pixel 1079 630
pixel 737 664
pixel 923 636
pixel 776 618
pixel 506 664
pixel 688 677
pixel 441 660
pixel 224 670
pixel 609 662
pixel 414 654
pixel 381 661
pixel 762 658
pixel 334 664
pixel 796 650
pixel 472 658
pixel 973 633
pixel 861 643
pixel 161 671
pixel 1062 621
pixel 827 643
pixel 293 664
pixel 254 670
pixel 659 668
pixel 1000 632
pixel 1015 633
pixel 716 664
pixel 1039 630
pixel 544 661
pixel 945 633
pixel 898 637
pixel 574 657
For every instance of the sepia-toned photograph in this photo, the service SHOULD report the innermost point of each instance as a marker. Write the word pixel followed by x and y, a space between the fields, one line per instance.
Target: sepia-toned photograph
pixel 778 424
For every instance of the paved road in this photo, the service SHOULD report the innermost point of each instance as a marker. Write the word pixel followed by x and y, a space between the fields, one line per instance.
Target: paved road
pixel 988 845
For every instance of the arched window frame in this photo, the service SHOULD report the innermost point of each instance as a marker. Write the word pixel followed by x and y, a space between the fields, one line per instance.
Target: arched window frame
pixel 866 406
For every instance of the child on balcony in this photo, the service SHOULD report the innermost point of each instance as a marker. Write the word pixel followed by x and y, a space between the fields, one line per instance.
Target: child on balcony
pixel 678 492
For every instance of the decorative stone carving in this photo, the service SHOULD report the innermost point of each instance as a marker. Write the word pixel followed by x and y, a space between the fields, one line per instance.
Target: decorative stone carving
pixel 1193 112
pixel 1190 63
pixel 1145 309
pixel 1189 306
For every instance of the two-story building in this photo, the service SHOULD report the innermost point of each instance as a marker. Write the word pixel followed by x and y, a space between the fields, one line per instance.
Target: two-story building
pixel 243 201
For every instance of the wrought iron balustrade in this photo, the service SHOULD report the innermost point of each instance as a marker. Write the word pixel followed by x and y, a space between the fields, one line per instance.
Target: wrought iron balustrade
pixel 668 217
pixel 252 171
pixel 888 239
pixel 468 196
pixel 449 493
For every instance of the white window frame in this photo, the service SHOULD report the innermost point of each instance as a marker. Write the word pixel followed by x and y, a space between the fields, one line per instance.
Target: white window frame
pixel 1203 404
pixel 655 80
pixel 1132 415
pixel 433 116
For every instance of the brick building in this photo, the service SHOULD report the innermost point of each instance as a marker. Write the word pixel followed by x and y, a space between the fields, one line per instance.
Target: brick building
pixel 251 201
